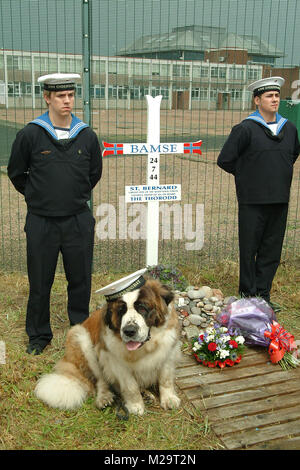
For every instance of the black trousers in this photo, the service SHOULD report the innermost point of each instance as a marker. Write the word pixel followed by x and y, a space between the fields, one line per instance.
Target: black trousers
pixel 261 234
pixel 73 236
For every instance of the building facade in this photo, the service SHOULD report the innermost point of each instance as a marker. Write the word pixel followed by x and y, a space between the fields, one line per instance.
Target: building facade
pixel 192 67
pixel 124 81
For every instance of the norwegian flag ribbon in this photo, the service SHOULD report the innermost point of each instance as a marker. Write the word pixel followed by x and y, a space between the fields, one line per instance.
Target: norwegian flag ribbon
pixel 112 149
pixel 146 148
pixel 193 147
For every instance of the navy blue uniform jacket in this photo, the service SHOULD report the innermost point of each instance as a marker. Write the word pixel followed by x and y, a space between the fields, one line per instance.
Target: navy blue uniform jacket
pixel 56 176
pixel 262 163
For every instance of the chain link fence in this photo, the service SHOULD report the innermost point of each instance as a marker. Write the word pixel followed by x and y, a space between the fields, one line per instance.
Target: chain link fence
pixel 200 56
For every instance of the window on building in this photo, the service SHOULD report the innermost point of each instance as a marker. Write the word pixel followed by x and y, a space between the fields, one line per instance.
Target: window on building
pixel 213 94
pixel 115 67
pixel 78 65
pixel 118 91
pixel 164 91
pixel 37 64
pixel 112 92
pixel 122 92
pixel 196 71
pixel 97 92
pixel 200 94
pixel 37 90
pixel 140 68
pixel 67 65
pixel 79 90
pixel 214 72
pixel 135 92
pixel 53 65
pixel 236 94
pixel 12 62
pixel 164 70
pixel 236 73
pixel 181 70
pixel 155 91
pixel 218 72
pixel 263 59
pixel 122 67
pixel 155 69
pixel 222 72
pixel 203 94
pixel 14 89
pixel 50 65
pixel 112 67
pixel 195 93
pixel 10 89
pixel 253 73
pixel 186 70
pixel 100 91
pixel 200 71
pixel 27 88
pixel 41 64
pixel 98 66
pixel 176 70
pixel 25 63
pixel 204 71
pixel 17 89
pixel 160 69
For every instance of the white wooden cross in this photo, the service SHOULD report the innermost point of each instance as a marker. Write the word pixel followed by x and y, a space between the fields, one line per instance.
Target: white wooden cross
pixel 152 192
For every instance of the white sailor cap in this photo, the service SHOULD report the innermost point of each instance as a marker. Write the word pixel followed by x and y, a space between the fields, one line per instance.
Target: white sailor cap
pixel 59 81
pixel 116 289
pixel 266 84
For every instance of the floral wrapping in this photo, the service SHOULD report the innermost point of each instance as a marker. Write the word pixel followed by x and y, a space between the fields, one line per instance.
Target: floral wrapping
pixel 253 316
pixel 258 324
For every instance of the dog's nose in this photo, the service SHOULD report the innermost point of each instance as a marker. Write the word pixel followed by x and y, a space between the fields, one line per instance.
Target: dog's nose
pixel 130 330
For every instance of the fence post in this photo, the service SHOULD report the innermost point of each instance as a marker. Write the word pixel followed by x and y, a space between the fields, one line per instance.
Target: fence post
pixel 86 61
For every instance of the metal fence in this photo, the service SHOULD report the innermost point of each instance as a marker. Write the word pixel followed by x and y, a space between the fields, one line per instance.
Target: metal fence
pixel 200 56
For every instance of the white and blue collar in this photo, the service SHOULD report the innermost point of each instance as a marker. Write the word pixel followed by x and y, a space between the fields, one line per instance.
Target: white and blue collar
pixel 280 121
pixel 44 121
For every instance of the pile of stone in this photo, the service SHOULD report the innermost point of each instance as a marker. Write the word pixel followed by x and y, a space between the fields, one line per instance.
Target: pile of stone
pixel 197 309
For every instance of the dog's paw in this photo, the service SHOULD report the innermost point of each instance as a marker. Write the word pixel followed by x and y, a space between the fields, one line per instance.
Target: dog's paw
pixel 104 399
pixel 169 401
pixel 135 408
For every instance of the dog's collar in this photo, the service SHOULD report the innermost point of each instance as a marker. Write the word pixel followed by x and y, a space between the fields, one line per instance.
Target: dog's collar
pixel 149 336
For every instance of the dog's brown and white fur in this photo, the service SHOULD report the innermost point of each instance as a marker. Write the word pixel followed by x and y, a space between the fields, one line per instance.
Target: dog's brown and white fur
pixel 130 344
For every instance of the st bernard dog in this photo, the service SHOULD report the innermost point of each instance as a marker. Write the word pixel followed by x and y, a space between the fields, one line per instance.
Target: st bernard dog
pixel 128 345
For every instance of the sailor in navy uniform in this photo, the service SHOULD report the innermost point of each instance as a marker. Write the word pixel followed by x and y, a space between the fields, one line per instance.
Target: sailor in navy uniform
pixel 55 162
pixel 260 152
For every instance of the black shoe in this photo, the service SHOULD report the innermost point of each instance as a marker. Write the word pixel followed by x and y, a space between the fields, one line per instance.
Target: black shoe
pixel 35 348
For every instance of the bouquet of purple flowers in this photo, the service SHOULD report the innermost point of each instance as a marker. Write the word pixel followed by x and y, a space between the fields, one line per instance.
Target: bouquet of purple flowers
pixel 257 323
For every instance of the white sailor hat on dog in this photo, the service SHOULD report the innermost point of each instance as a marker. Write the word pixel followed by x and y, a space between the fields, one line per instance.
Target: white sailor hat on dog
pixel 59 81
pixel 266 84
pixel 116 289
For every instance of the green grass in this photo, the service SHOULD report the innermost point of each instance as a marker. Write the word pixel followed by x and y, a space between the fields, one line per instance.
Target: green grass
pixel 26 423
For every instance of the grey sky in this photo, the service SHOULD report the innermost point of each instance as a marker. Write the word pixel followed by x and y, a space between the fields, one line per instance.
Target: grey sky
pixel 55 25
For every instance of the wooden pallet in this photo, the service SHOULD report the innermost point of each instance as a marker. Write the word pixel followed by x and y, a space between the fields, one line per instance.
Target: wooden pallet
pixel 253 405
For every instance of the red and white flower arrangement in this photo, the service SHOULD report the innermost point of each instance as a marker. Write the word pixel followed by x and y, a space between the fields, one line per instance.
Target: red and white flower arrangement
pixel 218 347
